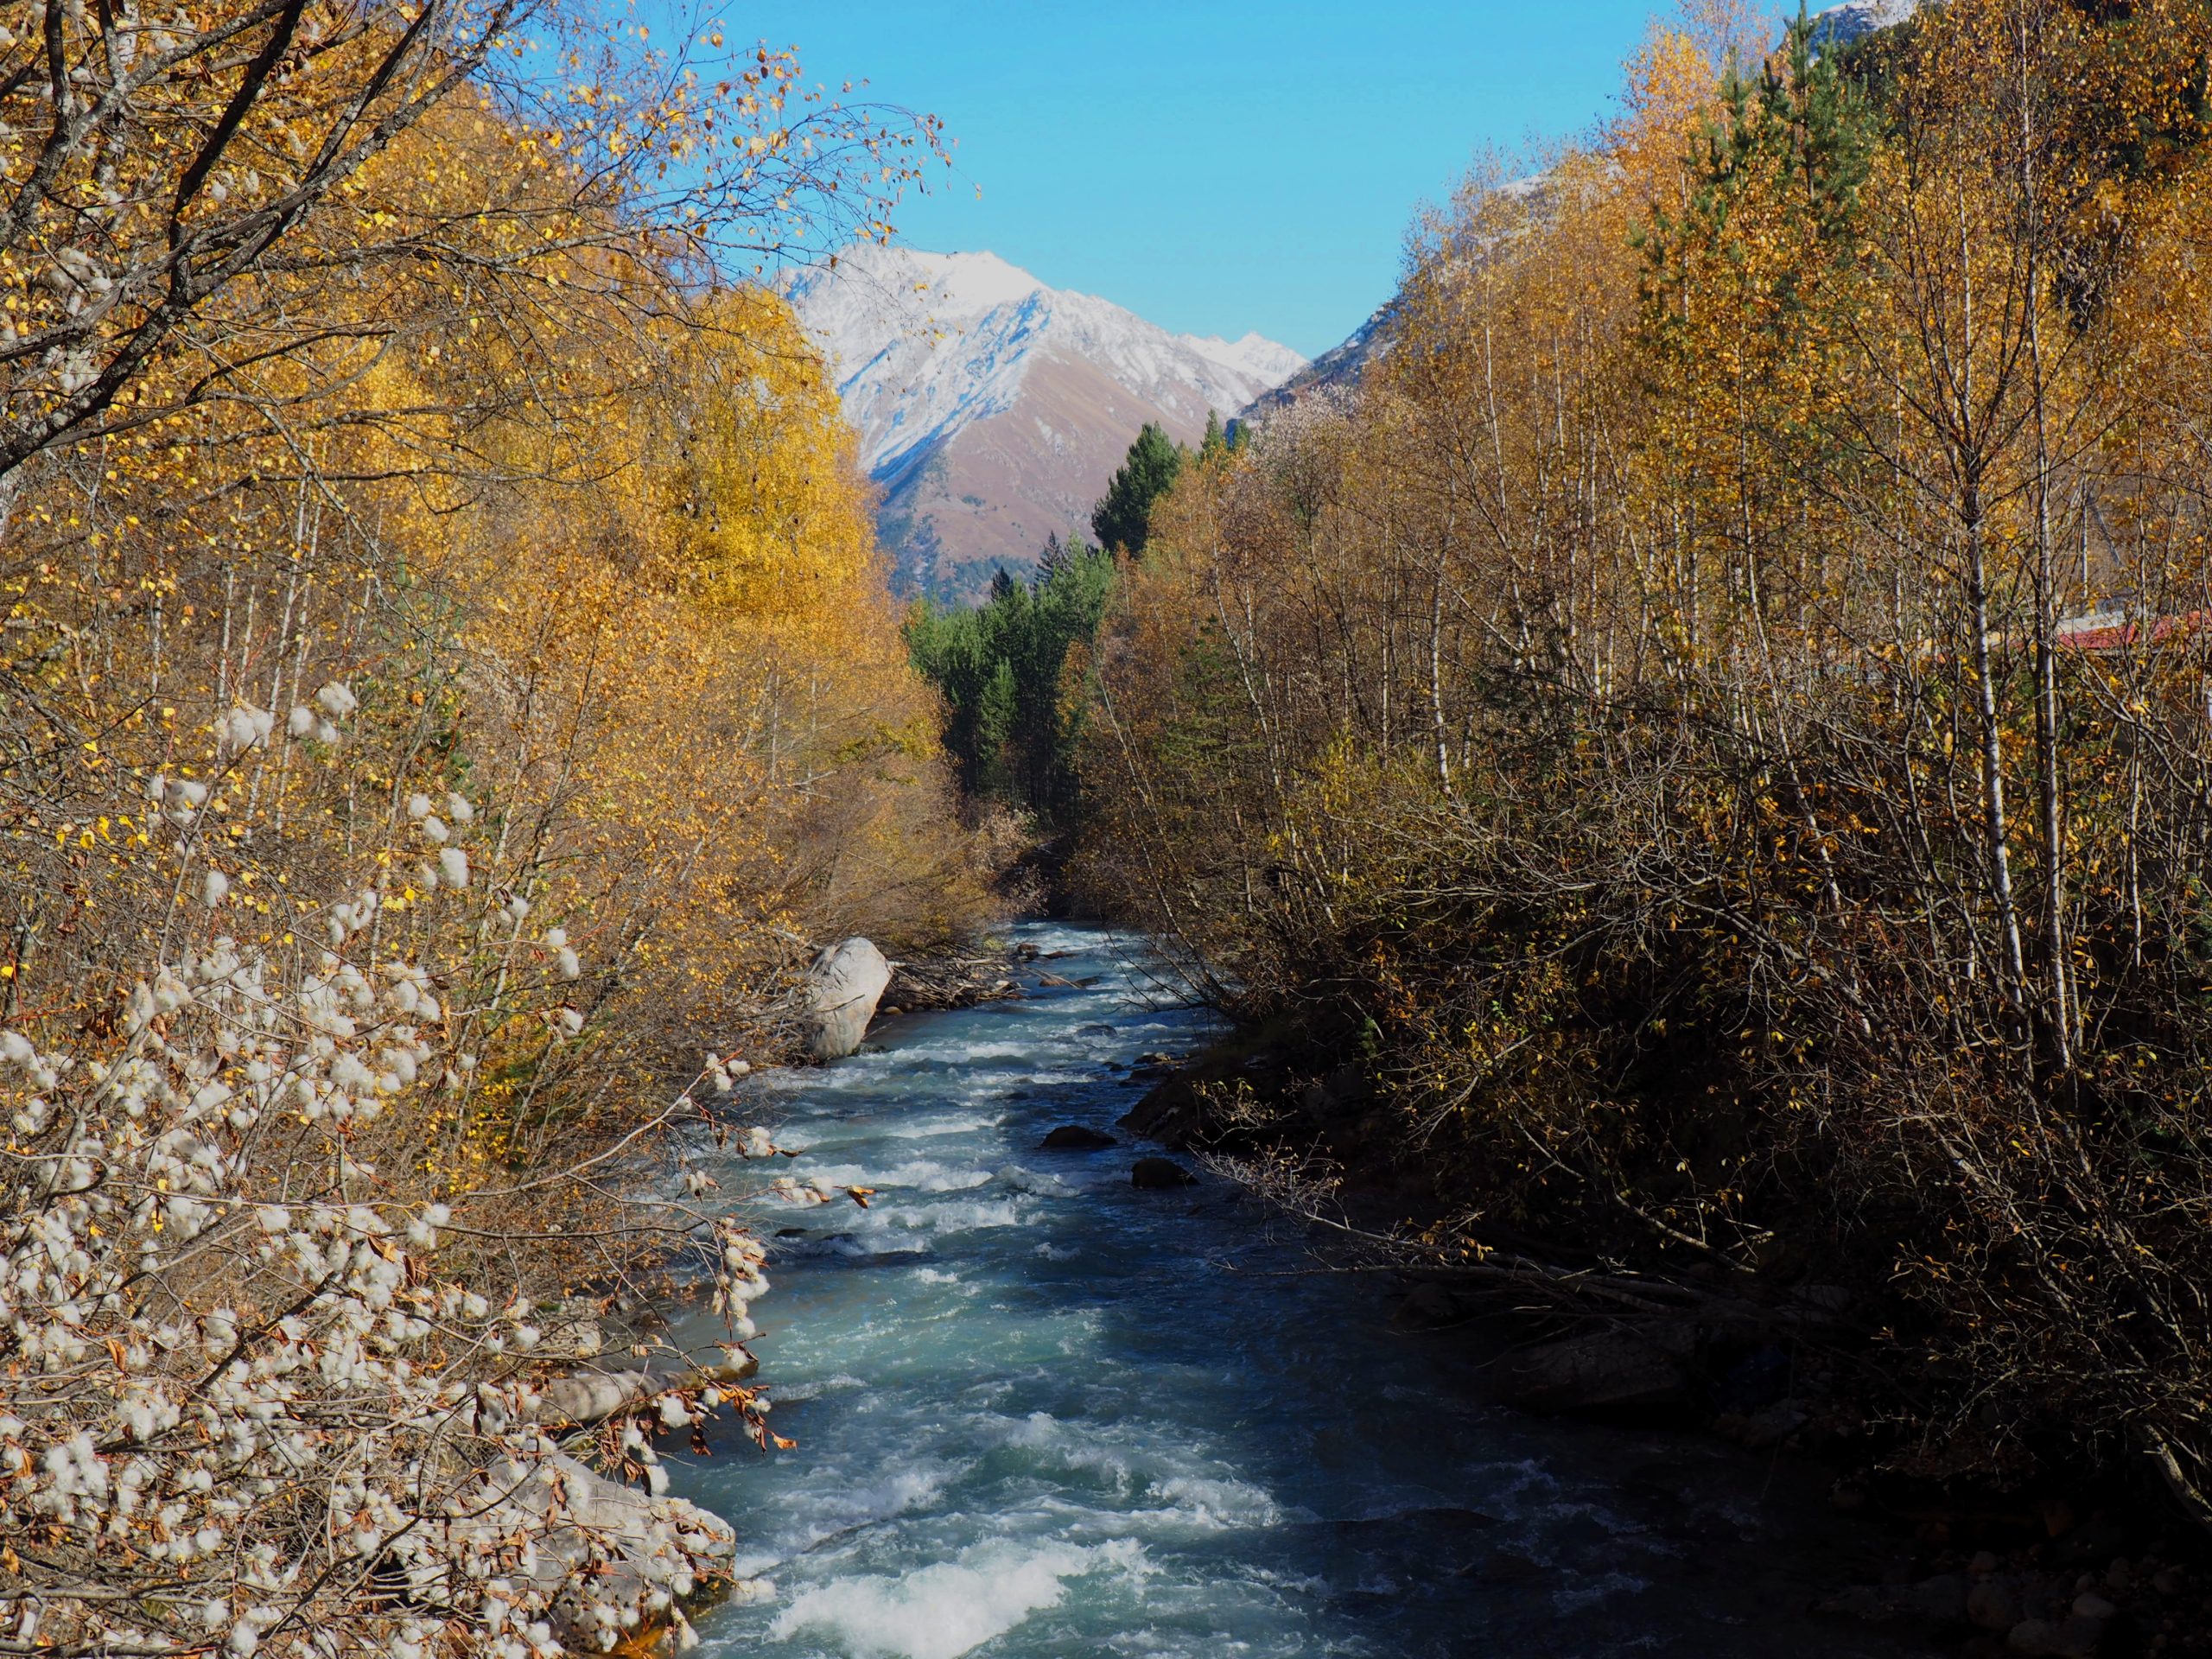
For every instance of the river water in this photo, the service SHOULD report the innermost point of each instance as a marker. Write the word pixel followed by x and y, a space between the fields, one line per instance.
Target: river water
pixel 1041 1413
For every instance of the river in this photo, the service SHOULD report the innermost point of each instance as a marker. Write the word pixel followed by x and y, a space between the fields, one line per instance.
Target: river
pixel 1041 1413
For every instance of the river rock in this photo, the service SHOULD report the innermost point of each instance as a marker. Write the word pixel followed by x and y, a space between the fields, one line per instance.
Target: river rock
pixel 1154 1173
pixel 1940 1600
pixel 2096 1541
pixel 1433 1308
pixel 647 1549
pixel 1771 1426
pixel 1605 1370
pixel 1994 1604
pixel 1074 1137
pixel 843 986
pixel 2068 1638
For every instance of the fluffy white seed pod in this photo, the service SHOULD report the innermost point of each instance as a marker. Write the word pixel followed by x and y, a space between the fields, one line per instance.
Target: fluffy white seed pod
pixel 244 727
pixel 569 966
pixel 453 867
pixel 212 887
pixel 435 829
pixel 556 938
pixel 418 807
pixel 338 701
pixel 572 1021
pixel 459 809
pixel 301 722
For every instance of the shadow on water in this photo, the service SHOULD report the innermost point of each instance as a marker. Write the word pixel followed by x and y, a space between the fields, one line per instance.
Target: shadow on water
pixel 1040 1413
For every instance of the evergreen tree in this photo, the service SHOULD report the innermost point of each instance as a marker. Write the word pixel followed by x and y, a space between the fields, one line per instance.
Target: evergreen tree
pixel 996 732
pixel 1121 520
pixel 1008 723
pixel 1214 444
pixel 1054 559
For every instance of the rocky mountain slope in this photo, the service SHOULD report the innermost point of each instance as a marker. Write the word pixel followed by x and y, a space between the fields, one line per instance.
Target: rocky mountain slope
pixel 1847 23
pixel 993 410
pixel 1340 366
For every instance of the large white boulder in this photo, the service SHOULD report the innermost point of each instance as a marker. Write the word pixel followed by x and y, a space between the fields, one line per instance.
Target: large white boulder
pixel 843 988
pixel 616 1560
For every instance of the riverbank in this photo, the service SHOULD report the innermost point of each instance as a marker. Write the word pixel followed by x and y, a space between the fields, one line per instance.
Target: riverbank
pixel 2075 1558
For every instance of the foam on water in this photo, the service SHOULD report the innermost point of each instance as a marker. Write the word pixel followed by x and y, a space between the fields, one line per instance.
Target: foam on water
pixel 839 1510
pixel 951 1608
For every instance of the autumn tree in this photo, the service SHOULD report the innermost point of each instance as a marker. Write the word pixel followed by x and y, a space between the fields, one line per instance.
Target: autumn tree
pixel 188 188
pixel 1710 729
pixel 447 674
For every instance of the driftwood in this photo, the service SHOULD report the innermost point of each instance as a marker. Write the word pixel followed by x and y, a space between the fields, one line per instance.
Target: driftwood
pixel 951 982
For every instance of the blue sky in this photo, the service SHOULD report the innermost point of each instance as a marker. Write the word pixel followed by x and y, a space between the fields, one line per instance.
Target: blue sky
pixel 1215 168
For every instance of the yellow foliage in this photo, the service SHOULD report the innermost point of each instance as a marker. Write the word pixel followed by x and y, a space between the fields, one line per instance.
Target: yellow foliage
pixel 595 555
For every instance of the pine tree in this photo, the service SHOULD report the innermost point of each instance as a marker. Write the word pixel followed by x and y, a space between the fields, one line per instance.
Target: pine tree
pixel 1214 444
pixel 1122 518
pixel 999 668
pixel 995 732
pixel 1055 558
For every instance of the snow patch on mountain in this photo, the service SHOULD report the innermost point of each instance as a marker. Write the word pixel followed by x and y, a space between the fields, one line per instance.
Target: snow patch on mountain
pixel 925 344
pixel 1845 24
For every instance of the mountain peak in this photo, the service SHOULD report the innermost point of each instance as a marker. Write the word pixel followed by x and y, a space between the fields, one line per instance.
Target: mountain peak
pixel 992 408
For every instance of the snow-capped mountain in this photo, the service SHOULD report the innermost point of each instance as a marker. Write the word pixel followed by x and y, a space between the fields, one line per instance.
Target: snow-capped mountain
pixel 993 410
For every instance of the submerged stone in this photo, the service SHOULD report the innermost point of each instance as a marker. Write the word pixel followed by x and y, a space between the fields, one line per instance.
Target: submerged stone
pixel 1074 1137
pixel 1154 1173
